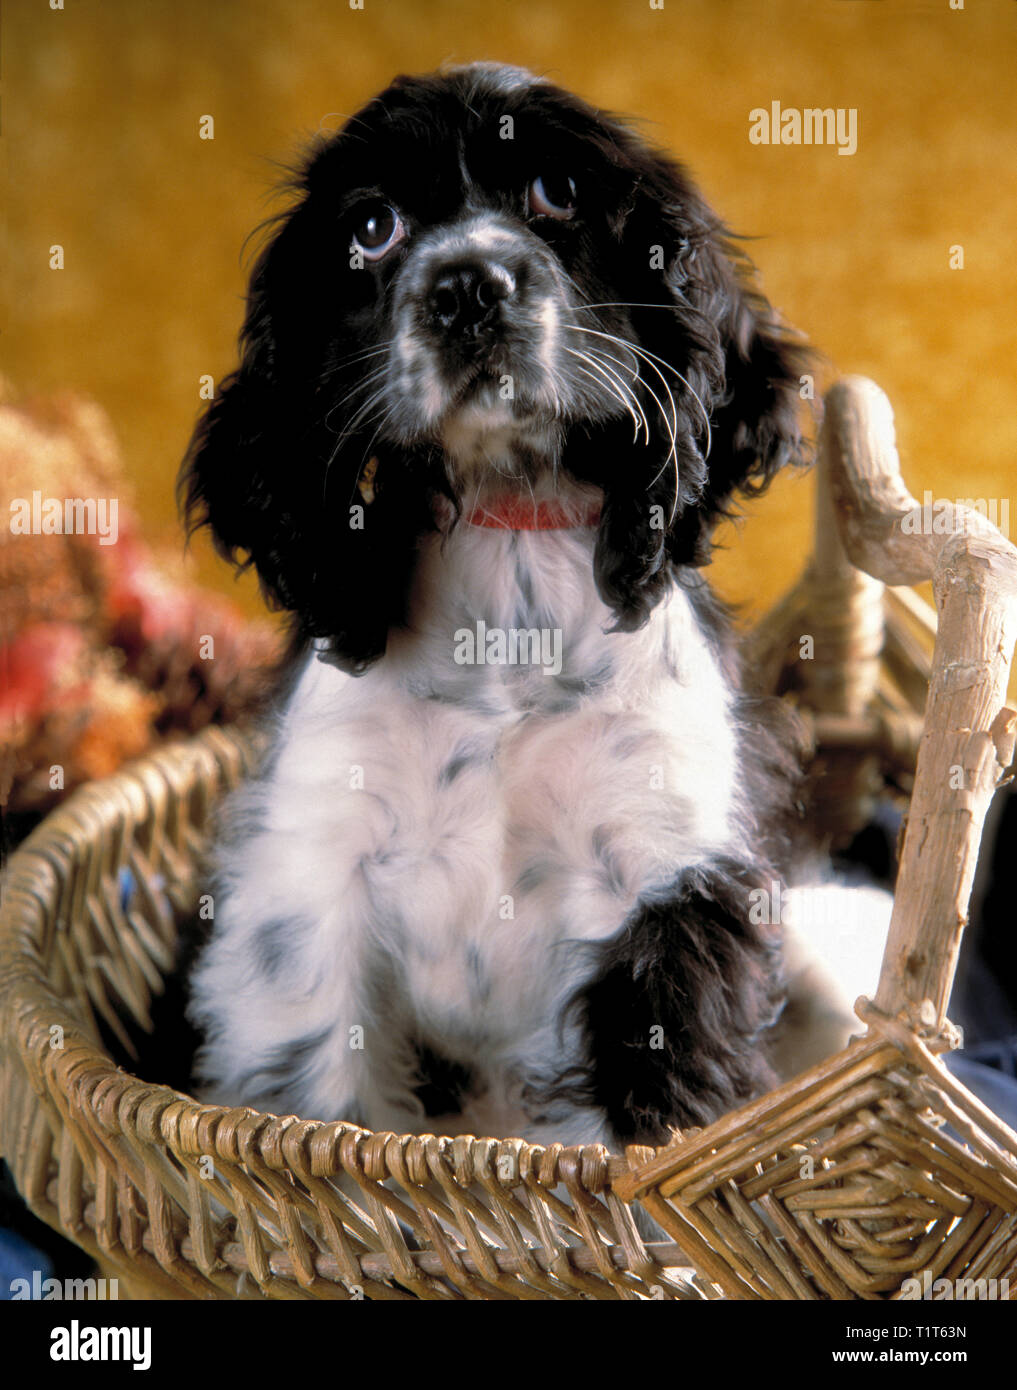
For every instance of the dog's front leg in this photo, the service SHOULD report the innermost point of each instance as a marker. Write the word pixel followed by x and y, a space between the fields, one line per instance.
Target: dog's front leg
pixel 674 1020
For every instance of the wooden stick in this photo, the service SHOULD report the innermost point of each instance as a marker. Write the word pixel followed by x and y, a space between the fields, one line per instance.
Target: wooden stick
pixel 967 732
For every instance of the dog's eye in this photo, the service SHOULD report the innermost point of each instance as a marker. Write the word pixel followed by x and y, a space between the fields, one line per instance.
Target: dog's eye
pixel 553 195
pixel 380 230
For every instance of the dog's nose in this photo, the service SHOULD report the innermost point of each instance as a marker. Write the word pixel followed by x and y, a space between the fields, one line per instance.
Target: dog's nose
pixel 464 298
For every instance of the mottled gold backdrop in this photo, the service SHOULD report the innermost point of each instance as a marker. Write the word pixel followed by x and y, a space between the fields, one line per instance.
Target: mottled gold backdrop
pixel 103 100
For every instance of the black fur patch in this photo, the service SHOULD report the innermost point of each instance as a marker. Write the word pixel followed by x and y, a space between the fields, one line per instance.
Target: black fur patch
pixel 273 942
pixel 466 755
pixel 443 1082
pixel 674 1020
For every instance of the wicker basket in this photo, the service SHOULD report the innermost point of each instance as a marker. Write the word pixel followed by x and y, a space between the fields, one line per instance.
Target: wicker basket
pixel 870 1169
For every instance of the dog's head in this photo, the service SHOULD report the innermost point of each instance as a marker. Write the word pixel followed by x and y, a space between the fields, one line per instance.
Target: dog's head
pixel 484 280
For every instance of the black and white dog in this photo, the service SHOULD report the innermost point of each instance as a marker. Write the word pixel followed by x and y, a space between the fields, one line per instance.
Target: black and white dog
pixel 501 373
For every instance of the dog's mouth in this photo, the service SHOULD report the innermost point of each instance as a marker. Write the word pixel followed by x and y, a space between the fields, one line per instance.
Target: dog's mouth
pixel 487 427
pixel 482 374
pixel 511 354
pixel 485 401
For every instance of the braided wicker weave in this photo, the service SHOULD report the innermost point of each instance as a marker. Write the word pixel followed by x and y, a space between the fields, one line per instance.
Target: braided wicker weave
pixel 873 1167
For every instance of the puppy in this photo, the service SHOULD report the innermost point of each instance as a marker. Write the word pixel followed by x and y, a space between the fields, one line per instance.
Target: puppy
pixel 501 373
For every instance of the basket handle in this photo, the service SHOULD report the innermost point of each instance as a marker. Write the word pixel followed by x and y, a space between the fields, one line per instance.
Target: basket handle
pixel 968 740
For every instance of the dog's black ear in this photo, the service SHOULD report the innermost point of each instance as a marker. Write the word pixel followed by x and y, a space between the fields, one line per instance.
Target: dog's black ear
pixel 227 473
pixel 734 375
pixel 751 366
pixel 274 474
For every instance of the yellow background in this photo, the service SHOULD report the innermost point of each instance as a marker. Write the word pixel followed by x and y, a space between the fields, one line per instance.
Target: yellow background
pixel 102 103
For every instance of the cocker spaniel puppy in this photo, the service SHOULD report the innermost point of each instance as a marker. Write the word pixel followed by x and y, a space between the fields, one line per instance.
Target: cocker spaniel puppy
pixel 501 373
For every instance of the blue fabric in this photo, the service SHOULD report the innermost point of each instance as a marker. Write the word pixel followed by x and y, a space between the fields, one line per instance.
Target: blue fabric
pixel 995 1085
pixel 18 1259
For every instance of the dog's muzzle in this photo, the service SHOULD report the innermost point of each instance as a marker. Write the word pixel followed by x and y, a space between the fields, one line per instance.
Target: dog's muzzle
pixel 476 313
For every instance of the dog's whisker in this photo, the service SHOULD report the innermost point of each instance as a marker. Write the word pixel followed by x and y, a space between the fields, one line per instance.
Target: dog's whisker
pixel 365 406
pixel 599 381
pixel 344 432
pixel 646 353
pixel 615 388
pixel 357 419
pixel 355 357
pixel 353 361
pixel 354 391
pixel 365 409
pixel 651 359
pixel 674 410
pixel 671 425
pixel 386 415
pixel 599 359
pixel 382 422
pixel 620 304
pixel 601 356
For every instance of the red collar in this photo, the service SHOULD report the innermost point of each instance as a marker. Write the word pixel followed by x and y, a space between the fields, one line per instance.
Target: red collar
pixel 513 513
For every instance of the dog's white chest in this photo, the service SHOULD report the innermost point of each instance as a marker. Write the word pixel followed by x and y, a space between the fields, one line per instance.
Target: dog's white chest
pixel 492 815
